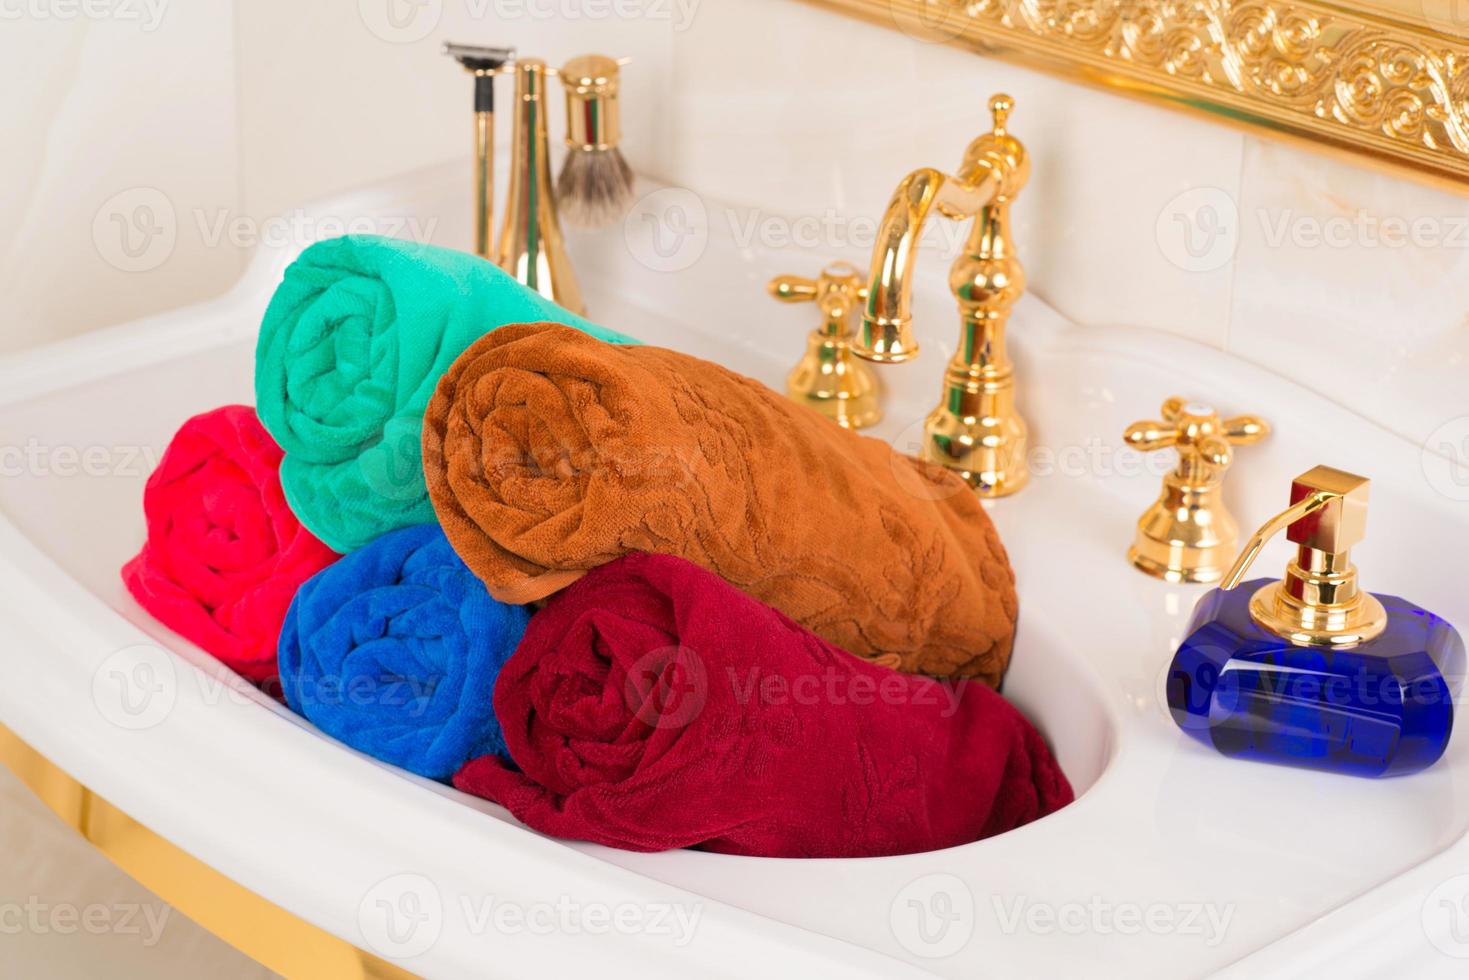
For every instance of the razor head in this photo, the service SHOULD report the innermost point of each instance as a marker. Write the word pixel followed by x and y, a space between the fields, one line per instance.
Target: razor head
pixel 477 57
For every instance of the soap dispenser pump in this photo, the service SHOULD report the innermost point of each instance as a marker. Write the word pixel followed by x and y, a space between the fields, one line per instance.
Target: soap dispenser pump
pixel 1311 670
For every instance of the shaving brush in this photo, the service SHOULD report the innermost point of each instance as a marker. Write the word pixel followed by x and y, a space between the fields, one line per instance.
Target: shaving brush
pixel 596 184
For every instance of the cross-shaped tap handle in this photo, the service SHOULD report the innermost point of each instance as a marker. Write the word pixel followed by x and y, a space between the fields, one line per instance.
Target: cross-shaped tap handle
pixel 838 291
pixel 1204 441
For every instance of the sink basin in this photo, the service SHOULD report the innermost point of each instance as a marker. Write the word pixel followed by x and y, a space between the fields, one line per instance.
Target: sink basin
pixel 1173 860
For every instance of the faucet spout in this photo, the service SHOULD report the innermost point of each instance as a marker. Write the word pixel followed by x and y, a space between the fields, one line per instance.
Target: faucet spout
pixel 975 430
pixel 886 333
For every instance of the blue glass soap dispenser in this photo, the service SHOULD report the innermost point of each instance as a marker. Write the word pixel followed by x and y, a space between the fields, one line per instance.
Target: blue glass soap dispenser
pixel 1311 670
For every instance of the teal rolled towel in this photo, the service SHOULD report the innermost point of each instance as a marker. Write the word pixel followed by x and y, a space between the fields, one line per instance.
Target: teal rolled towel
pixel 353 342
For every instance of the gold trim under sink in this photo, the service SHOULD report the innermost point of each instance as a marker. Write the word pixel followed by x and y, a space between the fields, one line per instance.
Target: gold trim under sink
pixel 1381 83
pixel 265 932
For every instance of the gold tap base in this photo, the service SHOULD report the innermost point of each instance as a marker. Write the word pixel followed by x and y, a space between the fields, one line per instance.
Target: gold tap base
pixel 1169 571
pixel 1186 536
pixel 1171 566
pixel 1176 563
pixel 831 380
pixel 986 449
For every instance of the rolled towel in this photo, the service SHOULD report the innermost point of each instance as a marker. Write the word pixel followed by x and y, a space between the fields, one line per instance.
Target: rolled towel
pixel 653 705
pixel 548 453
pixel 353 341
pixel 224 554
pixel 394 650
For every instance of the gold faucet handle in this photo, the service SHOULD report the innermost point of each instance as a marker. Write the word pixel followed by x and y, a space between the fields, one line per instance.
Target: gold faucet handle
pixel 1000 108
pixel 829 377
pixel 1204 441
pixel 997 153
pixel 1187 534
pixel 838 291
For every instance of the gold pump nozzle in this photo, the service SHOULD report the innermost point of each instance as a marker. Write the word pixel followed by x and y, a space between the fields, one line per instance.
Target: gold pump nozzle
pixel 1318 603
pixel 975 429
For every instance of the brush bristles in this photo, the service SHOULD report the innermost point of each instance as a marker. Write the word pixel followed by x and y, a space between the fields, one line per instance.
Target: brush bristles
pixel 595 187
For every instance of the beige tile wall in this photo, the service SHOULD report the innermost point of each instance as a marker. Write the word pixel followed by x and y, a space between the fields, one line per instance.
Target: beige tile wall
pixel 1356 284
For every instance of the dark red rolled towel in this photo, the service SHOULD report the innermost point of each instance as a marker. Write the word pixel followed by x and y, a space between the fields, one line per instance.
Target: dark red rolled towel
pixel 224 554
pixel 652 705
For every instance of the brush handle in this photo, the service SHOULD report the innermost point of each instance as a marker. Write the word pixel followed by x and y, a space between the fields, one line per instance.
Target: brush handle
pixel 593 118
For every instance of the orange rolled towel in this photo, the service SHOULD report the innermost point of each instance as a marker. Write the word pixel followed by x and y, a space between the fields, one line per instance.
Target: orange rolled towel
pixel 547 453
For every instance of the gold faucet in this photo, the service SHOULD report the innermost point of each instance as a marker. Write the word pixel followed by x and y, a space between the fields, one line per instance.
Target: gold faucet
pixel 975 430
pixel 828 379
pixel 1188 535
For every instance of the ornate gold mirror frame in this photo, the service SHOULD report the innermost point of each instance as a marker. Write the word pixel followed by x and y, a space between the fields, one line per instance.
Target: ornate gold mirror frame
pixel 1385 80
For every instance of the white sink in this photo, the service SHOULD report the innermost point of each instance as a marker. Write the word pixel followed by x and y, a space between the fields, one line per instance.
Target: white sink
pixel 1173 860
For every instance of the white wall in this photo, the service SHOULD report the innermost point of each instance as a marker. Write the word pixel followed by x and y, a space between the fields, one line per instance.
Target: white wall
pixel 149 144
pixel 338 95
pixel 119 125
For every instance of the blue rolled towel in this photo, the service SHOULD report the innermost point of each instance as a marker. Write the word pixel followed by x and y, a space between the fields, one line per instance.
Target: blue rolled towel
pixel 395 649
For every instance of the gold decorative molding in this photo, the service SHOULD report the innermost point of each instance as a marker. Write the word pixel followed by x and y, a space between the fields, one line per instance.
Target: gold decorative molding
pixel 261 930
pixel 1393 90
